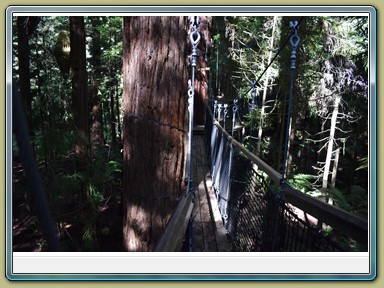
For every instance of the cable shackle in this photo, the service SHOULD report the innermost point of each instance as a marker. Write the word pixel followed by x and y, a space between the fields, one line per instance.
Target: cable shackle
pixel 225 112
pixel 220 106
pixel 194 37
pixel 234 111
pixel 194 21
pixel 194 41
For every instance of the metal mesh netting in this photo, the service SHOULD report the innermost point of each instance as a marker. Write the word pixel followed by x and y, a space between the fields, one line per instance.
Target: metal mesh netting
pixel 256 219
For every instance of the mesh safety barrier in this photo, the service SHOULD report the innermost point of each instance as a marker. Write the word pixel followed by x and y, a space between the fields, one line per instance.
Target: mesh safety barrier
pixel 256 219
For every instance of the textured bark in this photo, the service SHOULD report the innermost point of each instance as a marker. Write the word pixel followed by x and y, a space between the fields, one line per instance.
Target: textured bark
pixel 155 85
pixel 79 81
pixel 97 128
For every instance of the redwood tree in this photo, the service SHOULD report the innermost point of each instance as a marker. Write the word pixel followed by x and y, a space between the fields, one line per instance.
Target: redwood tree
pixel 79 81
pixel 155 86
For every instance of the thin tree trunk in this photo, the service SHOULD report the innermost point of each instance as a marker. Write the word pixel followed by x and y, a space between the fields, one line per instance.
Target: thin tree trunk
pixel 97 128
pixel 155 85
pixel 291 138
pixel 24 75
pixel 112 114
pixel 118 111
pixel 330 145
pixel 334 173
pixel 265 89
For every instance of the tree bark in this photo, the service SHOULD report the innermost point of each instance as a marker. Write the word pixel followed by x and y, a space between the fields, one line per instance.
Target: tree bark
pixel 97 128
pixel 155 85
pixel 79 82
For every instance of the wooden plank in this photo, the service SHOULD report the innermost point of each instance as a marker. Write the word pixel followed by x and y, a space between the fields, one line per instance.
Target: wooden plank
pixel 197 227
pixel 206 219
pixel 216 222
pixel 221 240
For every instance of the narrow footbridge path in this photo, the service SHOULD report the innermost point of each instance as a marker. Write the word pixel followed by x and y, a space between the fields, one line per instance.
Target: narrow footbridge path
pixel 207 229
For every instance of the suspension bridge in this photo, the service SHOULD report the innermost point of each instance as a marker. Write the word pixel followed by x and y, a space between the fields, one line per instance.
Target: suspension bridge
pixel 230 205
pixel 234 201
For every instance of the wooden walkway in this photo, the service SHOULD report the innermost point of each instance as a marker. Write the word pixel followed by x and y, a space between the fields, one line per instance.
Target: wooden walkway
pixel 208 233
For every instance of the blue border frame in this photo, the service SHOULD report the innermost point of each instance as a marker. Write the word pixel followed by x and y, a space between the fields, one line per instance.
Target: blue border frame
pixel 207 10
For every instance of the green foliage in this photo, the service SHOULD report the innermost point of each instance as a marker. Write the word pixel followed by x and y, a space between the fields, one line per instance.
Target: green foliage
pixel 340 200
pixel 113 167
pixel 304 183
pixel 89 236
pixel 358 197
pixel 54 142
pixel 94 195
pixel 363 164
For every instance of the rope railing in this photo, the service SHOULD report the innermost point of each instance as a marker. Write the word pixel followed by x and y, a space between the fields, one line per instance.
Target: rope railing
pixel 258 219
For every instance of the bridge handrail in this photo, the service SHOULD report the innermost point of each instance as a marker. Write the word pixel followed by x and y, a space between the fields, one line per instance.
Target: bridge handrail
pixel 352 225
pixel 174 232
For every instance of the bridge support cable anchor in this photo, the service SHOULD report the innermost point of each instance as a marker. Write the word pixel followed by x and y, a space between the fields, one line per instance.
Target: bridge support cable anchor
pixel 194 38
pixel 294 40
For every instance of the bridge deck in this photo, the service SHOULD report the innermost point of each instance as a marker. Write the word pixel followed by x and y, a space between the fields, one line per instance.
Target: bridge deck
pixel 207 228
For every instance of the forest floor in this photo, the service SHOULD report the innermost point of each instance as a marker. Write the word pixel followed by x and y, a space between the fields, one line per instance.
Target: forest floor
pixel 26 230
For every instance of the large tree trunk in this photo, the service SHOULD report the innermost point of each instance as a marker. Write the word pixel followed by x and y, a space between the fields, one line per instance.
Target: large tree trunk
pixel 79 82
pixel 155 85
